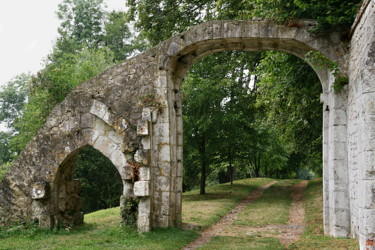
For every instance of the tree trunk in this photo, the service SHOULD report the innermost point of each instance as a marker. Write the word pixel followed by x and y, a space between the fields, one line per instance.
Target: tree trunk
pixel 259 155
pixel 202 152
pixel 266 169
pixel 231 170
pixel 256 166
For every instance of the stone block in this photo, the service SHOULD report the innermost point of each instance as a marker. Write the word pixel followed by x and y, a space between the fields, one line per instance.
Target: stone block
pixel 106 146
pixel 367 199
pixel 144 206
pixel 40 190
pixel 164 151
pixel 368 103
pixel 37 208
pixel 154 115
pixel 142 156
pixel 367 171
pixel 46 221
pixel 87 120
pixel 99 129
pixel 142 128
pixel 115 136
pixel 146 114
pixel 367 80
pixel 118 159
pixel 178 183
pixel 341 199
pixel 163 183
pixel 217 28
pixel 109 118
pixel 146 142
pixel 338 117
pixel 232 29
pixel 173 48
pixel 127 189
pixel 180 168
pixel 340 219
pixel 144 174
pixel 126 172
pixel 99 109
pixel 142 188
pixel 366 220
pixel 338 101
pixel 143 223
pixel 339 152
pixel 120 125
pixel 179 152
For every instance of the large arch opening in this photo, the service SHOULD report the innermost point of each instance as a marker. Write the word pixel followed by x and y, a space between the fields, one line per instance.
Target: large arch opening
pixel 236 107
pixel 214 92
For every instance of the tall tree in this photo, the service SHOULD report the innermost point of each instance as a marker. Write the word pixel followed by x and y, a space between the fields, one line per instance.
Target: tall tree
pixel 82 20
pixel 12 99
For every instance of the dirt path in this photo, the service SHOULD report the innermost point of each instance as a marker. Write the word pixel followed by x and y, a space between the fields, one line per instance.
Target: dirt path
pixel 217 228
pixel 285 233
pixel 296 224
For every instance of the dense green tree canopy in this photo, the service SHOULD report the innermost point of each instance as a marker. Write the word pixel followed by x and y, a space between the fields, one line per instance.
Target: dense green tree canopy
pixel 159 20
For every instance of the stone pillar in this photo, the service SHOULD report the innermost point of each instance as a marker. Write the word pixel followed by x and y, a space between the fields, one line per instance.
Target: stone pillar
pixel 161 151
pixel 339 206
pixel 366 182
pixel 326 215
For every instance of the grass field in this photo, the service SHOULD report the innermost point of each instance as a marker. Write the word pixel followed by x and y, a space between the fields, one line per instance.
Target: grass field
pixel 103 230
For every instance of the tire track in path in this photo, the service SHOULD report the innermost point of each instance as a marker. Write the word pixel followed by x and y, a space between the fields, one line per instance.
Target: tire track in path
pixel 227 219
pixel 285 233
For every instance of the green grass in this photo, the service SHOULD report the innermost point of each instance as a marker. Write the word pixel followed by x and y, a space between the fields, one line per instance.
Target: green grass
pixel 102 229
pixel 314 238
pixel 217 201
pixel 272 208
pixel 250 242
pixel 103 233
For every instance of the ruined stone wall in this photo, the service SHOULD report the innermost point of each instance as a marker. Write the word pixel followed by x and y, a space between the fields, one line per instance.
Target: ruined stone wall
pixel 361 129
pixel 104 113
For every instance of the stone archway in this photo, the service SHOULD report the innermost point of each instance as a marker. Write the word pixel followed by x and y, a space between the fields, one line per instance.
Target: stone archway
pixel 139 103
pixel 184 49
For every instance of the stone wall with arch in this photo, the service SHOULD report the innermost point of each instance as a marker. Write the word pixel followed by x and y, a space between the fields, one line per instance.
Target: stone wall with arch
pixel 132 114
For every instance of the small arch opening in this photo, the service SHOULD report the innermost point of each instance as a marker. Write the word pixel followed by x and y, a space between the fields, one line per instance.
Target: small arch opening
pixel 87 181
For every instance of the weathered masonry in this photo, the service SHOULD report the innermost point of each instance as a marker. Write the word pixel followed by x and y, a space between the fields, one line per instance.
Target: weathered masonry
pixel 132 114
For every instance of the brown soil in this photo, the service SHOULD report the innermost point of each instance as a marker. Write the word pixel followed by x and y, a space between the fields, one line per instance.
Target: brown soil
pixel 227 220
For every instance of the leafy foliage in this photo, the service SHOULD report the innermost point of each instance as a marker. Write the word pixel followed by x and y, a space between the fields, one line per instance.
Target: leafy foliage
pixel 13 98
pixel 288 95
pixel 129 211
pixel 101 185
pixel 159 20
pixel 82 21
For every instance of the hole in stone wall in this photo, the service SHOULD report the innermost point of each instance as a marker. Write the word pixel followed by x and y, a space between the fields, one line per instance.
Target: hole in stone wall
pixel 86 181
pixel 101 184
